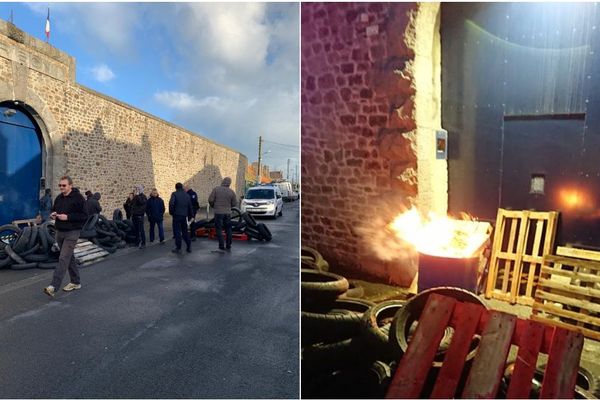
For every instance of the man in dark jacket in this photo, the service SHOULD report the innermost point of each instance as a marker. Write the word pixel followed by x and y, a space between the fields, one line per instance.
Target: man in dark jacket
pixel 138 209
pixel 92 204
pixel 155 208
pixel 222 199
pixel 46 205
pixel 127 205
pixel 180 207
pixel 195 206
pixel 68 211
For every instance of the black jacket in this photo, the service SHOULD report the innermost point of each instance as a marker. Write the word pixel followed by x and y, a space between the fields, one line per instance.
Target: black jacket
pixel 72 205
pixel 155 208
pixel 92 206
pixel 180 204
pixel 194 199
pixel 138 204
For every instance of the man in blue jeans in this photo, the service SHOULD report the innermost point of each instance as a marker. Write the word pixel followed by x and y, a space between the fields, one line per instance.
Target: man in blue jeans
pixel 222 199
pixel 180 207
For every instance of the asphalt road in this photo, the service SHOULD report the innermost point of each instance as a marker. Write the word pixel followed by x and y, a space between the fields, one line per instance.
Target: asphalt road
pixel 150 324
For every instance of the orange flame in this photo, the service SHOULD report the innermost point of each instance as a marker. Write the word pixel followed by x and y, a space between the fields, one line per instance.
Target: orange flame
pixel 440 236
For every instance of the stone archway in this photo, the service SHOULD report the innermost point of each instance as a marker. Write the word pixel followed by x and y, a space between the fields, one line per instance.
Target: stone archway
pixel 52 149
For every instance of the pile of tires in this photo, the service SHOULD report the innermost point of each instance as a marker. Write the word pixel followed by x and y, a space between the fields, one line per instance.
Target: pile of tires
pixel 31 247
pixel 110 235
pixel 241 222
pixel 350 346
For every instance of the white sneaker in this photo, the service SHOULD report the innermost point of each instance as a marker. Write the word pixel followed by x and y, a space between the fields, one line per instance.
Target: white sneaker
pixel 49 290
pixel 71 286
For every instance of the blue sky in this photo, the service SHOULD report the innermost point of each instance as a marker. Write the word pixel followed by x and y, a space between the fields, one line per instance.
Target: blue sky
pixel 224 70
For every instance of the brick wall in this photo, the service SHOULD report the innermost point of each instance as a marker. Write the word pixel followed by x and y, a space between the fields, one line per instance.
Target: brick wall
pixel 359 131
pixel 104 144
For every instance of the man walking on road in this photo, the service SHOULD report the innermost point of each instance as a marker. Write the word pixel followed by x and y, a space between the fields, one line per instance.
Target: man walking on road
pixel 195 206
pixel 69 213
pixel 222 199
pixel 138 209
pixel 180 207
pixel 155 209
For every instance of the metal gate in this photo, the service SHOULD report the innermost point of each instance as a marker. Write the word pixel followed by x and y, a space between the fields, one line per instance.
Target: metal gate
pixel 20 165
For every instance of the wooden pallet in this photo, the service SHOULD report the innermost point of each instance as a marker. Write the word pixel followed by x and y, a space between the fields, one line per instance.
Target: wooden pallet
pixel 568 293
pixel 520 242
pixel 88 253
pixel 498 332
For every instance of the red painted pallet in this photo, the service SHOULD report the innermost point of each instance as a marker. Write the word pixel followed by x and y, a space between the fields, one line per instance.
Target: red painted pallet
pixel 211 233
pixel 498 332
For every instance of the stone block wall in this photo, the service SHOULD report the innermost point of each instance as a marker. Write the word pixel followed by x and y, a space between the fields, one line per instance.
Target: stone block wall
pixel 360 133
pixel 106 146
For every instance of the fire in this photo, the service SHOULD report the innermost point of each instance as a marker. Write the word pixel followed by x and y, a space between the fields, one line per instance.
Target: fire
pixel 440 236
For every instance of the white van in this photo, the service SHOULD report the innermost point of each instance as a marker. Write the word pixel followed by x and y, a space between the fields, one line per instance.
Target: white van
pixel 286 190
pixel 263 200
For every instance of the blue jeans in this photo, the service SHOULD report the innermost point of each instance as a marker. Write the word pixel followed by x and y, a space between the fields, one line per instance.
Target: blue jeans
pixel 161 231
pixel 138 227
pixel 223 220
pixel 180 229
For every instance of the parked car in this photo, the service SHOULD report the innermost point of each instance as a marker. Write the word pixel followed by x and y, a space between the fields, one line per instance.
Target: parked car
pixel 287 192
pixel 263 200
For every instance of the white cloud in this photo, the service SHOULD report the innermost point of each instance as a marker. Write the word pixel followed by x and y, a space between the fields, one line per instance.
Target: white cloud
pixel 102 73
pixel 185 101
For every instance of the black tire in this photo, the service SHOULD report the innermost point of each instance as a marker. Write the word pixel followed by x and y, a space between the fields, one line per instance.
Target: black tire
pixel 323 357
pixel 410 313
pixel 376 327
pixel 51 235
pixel 6 262
pixel 249 219
pixel 342 322
pixel 102 232
pixel 14 255
pixel 88 234
pixel 265 232
pixel 90 223
pixel 128 223
pixel 354 292
pixel 110 248
pixel 236 215
pixel 33 237
pixel 319 290
pixel 36 257
pixel 121 244
pixel 253 233
pixel 308 253
pixel 47 265
pixel 281 212
pixel 9 233
pixel 23 241
pixel 43 238
pixel 20 267
pixel 30 251
pixel 117 215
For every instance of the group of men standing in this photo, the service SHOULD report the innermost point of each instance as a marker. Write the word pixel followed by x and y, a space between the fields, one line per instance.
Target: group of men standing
pixel 137 205
pixel 70 211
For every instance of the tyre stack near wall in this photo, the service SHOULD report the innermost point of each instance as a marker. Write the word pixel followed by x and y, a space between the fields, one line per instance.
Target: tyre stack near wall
pixel 351 346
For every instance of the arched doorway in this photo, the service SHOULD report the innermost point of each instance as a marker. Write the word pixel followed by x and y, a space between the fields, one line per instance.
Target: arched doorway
pixel 20 164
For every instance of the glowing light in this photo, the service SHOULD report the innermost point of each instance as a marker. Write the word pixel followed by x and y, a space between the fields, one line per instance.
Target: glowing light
pixel 440 235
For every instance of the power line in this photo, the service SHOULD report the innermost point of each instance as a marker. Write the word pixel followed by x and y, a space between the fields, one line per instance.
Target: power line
pixel 281 144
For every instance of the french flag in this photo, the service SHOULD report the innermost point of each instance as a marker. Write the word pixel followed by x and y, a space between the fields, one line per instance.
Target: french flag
pixel 48 25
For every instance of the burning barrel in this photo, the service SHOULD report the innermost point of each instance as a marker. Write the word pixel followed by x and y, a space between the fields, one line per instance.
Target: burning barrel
pixel 436 271
pixel 449 249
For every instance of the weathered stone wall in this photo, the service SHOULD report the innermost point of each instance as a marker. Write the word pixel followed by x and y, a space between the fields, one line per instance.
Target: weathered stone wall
pixel 360 132
pixel 105 145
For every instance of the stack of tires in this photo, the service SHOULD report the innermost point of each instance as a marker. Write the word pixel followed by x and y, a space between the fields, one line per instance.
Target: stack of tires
pixel 241 222
pixel 110 235
pixel 27 248
pixel 350 346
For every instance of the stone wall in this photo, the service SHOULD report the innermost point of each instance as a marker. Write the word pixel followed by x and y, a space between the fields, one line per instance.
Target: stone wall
pixel 361 131
pixel 104 144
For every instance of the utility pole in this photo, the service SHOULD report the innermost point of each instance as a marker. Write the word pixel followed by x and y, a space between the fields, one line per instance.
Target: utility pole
pixel 259 159
pixel 287 176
